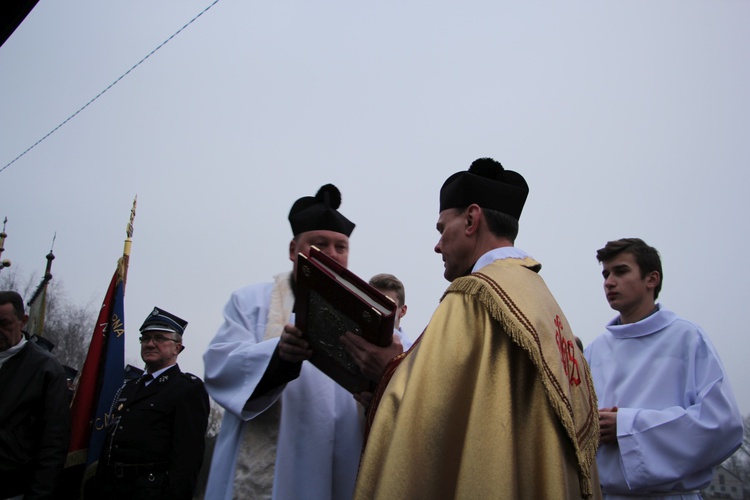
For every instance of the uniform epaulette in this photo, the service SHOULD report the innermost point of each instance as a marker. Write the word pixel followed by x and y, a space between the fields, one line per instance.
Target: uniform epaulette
pixel 191 377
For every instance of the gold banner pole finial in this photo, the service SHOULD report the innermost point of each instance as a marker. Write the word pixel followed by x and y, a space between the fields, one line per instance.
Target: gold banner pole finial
pixel 132 218
pixel 124 260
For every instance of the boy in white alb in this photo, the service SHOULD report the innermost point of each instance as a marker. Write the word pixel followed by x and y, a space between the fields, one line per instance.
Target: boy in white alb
pixel 667 412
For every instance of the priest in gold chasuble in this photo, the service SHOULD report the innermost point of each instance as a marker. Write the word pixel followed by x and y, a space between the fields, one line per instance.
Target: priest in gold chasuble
pixel 495 399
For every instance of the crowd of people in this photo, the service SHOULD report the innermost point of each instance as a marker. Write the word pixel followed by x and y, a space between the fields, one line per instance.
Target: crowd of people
pixel 495 399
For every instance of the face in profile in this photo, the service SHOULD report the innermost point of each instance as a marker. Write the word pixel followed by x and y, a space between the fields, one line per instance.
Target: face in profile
pixel 400 311
pixel 453 244
pixel 626 290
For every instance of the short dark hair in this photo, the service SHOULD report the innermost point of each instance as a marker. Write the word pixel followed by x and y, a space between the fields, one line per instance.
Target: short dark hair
pixel 499 223
pixel 391 283
pixel 10 297
pixel 647 257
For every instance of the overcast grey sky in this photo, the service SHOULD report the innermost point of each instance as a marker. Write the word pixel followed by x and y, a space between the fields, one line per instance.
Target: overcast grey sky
pixel 627 119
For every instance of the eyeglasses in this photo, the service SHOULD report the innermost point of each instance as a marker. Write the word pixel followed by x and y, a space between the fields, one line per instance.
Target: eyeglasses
pixel 158 339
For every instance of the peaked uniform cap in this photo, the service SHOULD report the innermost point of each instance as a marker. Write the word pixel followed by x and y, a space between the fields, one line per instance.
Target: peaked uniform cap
pixel 161 321
pixel 487 184
pixel 320 212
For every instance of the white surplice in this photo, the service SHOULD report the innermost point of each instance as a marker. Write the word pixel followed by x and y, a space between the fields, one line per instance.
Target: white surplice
pixel 677 416
pixel 321 426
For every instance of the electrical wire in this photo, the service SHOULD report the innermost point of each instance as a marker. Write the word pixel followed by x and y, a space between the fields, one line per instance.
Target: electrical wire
pixel 110 86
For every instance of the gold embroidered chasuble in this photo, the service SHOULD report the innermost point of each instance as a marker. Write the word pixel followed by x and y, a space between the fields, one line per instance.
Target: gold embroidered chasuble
pixel 494 401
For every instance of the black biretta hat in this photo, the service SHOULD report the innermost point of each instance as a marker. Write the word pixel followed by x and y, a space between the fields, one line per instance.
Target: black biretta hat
pixel 162 321
pixel 315 213
pixel 487 184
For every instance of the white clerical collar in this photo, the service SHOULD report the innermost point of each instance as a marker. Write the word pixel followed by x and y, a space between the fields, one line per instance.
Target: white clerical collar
pixel 497 254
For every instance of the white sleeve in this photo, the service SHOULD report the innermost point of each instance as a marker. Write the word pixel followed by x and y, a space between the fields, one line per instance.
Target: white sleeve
pixel 659 446
pixel 238 356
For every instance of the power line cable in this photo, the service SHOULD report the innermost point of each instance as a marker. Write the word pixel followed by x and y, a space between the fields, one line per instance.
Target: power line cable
pixel 110 86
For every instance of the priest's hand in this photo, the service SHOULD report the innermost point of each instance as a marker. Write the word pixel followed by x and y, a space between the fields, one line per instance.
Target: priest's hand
pixel 292 347
pixel 370 358
pixel 607 425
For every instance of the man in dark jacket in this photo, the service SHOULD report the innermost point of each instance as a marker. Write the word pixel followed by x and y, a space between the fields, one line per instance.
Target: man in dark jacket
pixel 34 411
pixel 155 442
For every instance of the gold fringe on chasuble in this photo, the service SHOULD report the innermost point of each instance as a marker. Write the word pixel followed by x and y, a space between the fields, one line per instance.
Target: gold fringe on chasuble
pixel 577 413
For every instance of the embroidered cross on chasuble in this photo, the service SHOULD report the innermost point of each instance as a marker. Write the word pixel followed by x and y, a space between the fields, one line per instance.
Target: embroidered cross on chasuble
pixel 495 396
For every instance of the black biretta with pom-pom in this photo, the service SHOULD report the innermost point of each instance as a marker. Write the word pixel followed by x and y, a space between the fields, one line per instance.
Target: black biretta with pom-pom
pixel 319 212
pixel 487 184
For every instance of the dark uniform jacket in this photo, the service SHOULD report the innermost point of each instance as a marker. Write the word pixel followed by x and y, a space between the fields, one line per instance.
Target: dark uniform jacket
pixel 155 444
pixel 34 423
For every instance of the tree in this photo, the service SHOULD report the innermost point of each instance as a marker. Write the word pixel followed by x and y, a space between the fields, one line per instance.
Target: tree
pixel 9 280
pixel 214 419
pixel 67 325
pixel 739 463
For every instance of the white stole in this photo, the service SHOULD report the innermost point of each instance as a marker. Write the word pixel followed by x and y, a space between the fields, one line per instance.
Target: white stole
pixel 254 468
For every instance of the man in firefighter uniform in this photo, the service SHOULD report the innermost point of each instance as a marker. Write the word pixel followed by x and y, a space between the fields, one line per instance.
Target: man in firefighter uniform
pixel 155 442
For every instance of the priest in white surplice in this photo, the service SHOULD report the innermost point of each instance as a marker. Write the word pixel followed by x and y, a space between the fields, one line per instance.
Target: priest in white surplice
pixel 289 431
